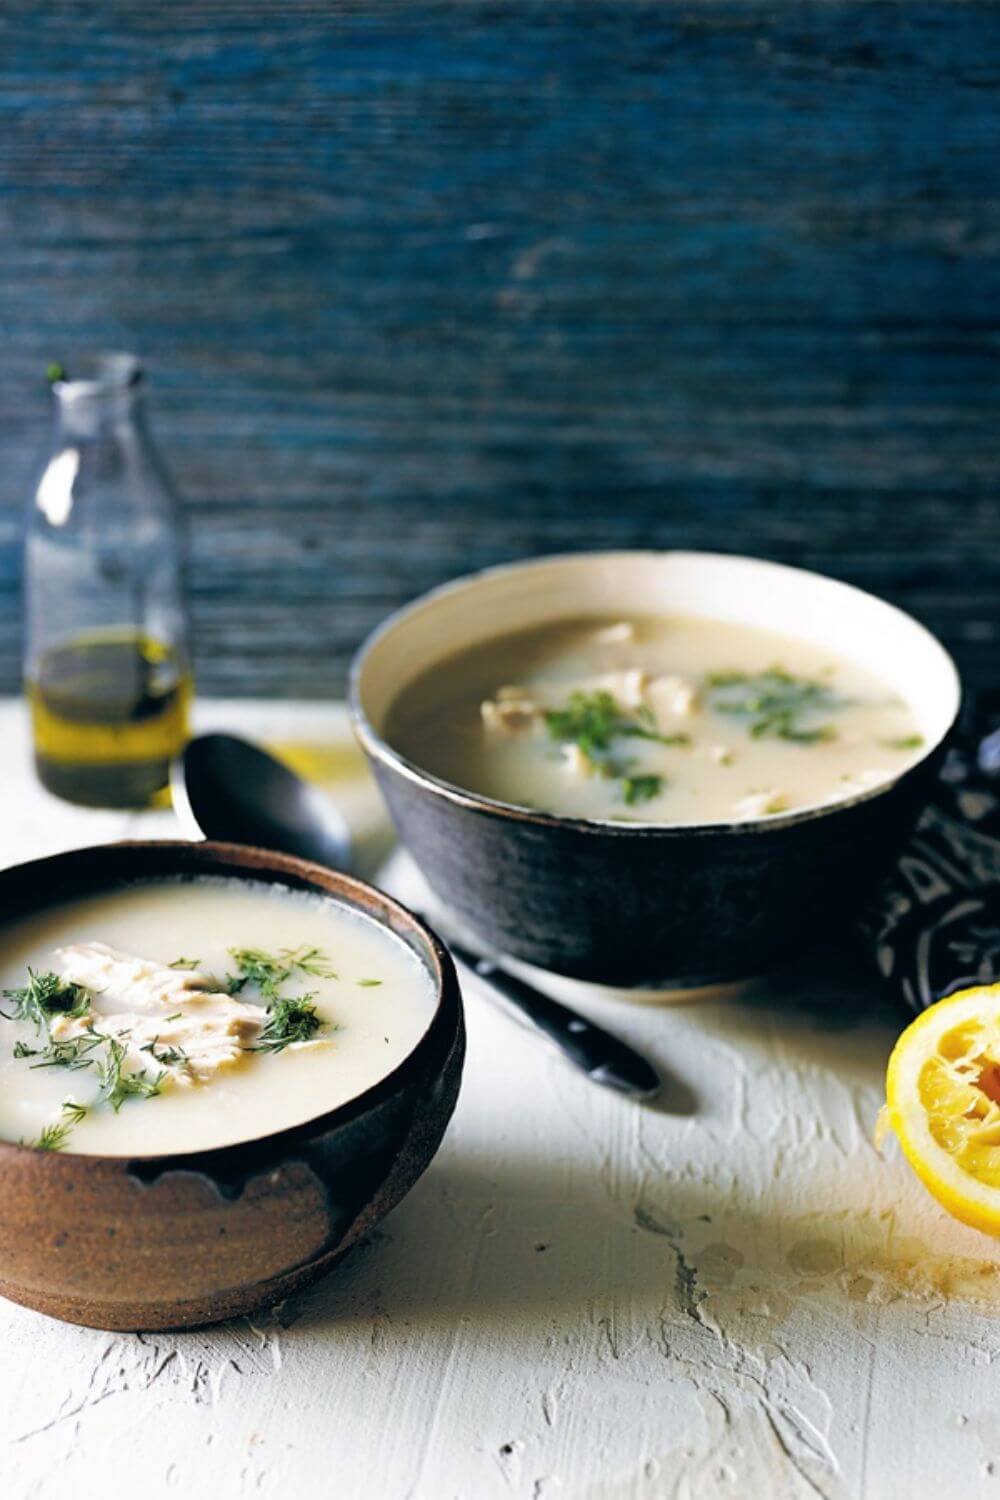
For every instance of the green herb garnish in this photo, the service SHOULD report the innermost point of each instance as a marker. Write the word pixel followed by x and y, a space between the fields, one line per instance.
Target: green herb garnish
pixel 167 1056
pixel 905 742
pixel 641 788
pixel 117 1085
pixel 367 984
pixel 290 1020
pixel 184 963
pixel 52 1138
pixel 75 1112
pixel 55 1136
pixel 267 972
pixel 593 722
pixel 71 1053
pixel 45 996
pixel 773 703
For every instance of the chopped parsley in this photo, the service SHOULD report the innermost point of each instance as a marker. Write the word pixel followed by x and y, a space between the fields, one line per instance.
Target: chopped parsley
pixel 641 788
pixel 775 704
pixel 594 722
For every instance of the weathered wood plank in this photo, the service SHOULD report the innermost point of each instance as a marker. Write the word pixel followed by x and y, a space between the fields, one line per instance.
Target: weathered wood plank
pixel 429 286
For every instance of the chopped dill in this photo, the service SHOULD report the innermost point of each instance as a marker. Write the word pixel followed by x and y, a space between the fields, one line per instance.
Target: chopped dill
pixel 75 1112
pixel 367 984
pixel 167 1056
pixel 267 972
pixel 45 996
pixel 905 742
pixel 135 1086
pixel 117 1085
pixel 184 963
pixel 289 1020
pixel 71 1053
pixel 52 1138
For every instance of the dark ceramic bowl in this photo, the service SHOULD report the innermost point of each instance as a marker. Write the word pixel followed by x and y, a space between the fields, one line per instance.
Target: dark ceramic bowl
pixel 170 1242
pixel 645 904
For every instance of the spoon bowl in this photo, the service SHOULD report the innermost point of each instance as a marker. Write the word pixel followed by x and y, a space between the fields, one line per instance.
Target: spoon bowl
pixel 227 788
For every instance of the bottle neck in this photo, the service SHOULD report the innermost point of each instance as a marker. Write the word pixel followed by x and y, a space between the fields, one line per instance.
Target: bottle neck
pixel 103 404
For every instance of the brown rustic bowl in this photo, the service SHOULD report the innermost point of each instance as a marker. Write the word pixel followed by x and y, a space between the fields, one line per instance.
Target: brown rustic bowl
pixel 147 1242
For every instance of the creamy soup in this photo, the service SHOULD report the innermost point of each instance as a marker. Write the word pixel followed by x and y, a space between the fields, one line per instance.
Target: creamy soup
pixel 181 1015
pixel 654 719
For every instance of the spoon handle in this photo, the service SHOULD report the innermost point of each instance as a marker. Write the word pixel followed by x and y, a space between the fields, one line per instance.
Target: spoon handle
pixel 604 1058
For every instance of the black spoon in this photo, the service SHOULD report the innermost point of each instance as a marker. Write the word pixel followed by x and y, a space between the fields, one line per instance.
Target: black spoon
pixel 227 788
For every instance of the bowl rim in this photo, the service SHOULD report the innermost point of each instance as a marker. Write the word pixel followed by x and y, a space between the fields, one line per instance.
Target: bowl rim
pixel 379 749
pixel 267 866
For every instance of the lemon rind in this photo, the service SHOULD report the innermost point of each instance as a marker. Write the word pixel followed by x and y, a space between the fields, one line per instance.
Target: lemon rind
pixel 974 1203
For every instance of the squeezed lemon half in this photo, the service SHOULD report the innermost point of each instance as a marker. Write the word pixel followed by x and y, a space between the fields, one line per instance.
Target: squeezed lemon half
pixel 943 1103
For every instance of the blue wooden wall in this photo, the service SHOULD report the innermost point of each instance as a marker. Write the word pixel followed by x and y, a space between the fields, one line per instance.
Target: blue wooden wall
pixel 428 286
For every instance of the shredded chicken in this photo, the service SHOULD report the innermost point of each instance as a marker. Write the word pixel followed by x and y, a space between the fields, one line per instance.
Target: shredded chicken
pixel 576 762
pixel 146 984
pixel 859 781
pixel 671 697
pixel 613 635
pixel 760 804
pixel 627 687
pixel 508 715
pixel 194 1029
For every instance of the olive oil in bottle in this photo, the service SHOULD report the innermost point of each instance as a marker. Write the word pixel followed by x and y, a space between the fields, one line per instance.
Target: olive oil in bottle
pixel 109 712
pixel 106 666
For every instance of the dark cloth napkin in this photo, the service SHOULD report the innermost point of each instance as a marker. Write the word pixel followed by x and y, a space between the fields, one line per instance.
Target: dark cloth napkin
pixel 935 923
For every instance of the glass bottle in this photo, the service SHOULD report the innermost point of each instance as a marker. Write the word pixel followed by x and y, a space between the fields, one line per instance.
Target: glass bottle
pixel 106 662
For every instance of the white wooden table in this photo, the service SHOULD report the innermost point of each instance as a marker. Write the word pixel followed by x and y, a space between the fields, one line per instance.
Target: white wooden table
pixel 733 1295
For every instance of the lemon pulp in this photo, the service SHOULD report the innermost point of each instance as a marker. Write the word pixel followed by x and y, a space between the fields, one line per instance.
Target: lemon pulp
pixel 943 1098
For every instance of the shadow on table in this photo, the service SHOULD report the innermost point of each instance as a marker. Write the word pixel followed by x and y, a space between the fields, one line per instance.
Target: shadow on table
pixel 526 1256
pixel 498 1248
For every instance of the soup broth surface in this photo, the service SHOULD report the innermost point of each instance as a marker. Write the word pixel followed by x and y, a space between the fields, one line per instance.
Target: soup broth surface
pixel 654 719
pixel 371 998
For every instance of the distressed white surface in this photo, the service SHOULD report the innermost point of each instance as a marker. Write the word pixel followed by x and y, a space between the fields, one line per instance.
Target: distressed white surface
pixel 582 1297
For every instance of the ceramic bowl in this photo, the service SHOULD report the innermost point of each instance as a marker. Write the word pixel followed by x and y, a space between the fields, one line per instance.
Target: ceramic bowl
pixel 642 904
pixel 174 1241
